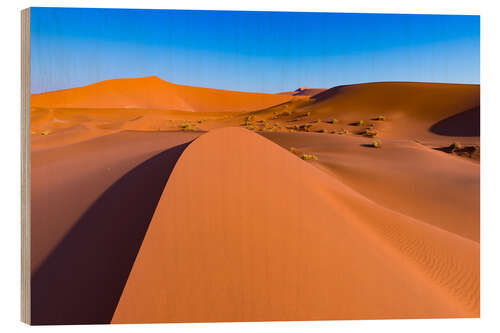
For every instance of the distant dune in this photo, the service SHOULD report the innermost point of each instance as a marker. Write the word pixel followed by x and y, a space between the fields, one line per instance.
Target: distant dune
pixel 432 112
pixel 422 101
pixel 154 93
pixel 257 234
pixel 303 91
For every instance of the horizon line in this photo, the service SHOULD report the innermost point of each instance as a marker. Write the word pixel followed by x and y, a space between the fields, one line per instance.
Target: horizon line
pixel 243 91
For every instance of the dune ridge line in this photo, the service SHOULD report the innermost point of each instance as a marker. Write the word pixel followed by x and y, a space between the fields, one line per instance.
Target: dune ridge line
pixel 239 214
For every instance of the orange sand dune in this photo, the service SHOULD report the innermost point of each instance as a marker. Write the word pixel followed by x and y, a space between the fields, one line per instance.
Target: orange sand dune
pixel 65 181
pixel 154 93
pixel 405 176
pixel 434 114
pixel 258 234
pixel 91 206
pixel 304 92
pixel 413 107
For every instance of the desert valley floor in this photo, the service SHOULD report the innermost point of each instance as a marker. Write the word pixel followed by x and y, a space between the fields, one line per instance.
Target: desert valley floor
pixel 156 202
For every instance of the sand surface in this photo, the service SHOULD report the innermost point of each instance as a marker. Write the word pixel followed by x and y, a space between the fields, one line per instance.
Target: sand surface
pixel 133 221
pixel 290 243
pixel 444 189
pixel 65 181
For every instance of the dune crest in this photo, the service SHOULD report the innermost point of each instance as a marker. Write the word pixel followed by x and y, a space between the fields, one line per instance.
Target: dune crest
pixel 247 231
pixel 412 107
pixel 154 93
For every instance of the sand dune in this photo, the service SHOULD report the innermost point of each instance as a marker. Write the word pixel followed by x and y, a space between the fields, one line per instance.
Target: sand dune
pixel 259 234
pixel 405 176
pixel 67 180
pixel 434 114
pixel 91 206
pixel 306 91
pixel 413 107
pixel 153 93
pixel 243 228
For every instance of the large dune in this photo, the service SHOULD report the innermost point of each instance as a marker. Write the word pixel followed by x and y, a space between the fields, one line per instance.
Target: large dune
pixel 413 107
pixel 416 99
pixel 256 233
pixel 154 93
pixel 91 205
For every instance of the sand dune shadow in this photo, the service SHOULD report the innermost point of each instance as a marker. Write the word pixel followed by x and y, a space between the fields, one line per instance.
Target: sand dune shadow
pixel 466 123
pixel 83 278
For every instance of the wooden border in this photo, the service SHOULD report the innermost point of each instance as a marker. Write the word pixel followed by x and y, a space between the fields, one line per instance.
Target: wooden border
pixel 25 168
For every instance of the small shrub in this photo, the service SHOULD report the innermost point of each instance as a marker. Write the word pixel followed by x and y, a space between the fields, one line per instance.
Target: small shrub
pixel 379 118
pixel 45 133
pixel 333 121
pixel 307 157
pixel 323 130
pixel 456 145
pixel 201 121
pixel 370 132
pixel 376 144
pixel 293 150
pixel 359 123
pixel 305 127
pixel 188 127
pixel 249 119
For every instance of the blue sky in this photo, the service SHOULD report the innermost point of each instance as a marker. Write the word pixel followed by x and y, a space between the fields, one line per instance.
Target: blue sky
pixel 249 51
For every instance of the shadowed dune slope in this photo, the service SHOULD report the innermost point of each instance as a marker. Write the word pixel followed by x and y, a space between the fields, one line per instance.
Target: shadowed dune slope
pixel 81 280
pixel 66 181
pixel 154 93
pixel 258 234
pixel 465 123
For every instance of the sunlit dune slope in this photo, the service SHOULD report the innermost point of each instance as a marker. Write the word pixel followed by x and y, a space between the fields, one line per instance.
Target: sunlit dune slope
pixel 403 175
pixel 154 93
pixel 426 101
pixel 258 234
pixel 413 109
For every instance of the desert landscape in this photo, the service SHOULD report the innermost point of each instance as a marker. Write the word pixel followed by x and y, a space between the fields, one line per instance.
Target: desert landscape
pixel 158 202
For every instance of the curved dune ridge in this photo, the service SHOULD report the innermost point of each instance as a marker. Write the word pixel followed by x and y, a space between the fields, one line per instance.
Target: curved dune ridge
pixel 154 93
pixel 246 231
pixel 421 100
pixel 414 107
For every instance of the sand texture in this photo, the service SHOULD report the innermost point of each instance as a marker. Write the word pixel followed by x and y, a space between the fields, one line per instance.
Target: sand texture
pixel 156 202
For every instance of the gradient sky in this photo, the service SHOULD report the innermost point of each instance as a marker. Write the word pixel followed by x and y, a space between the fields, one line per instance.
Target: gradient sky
pixel 249 51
